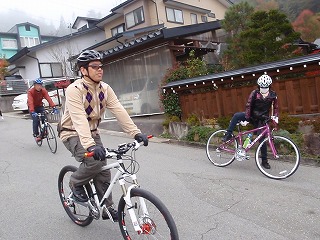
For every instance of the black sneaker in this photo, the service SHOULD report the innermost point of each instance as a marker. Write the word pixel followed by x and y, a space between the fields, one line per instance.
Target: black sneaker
pixel 80 194
pixel 227 136
pixel 110 211
pixel 265 164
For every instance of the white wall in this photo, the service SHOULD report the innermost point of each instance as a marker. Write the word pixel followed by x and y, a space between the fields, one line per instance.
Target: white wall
pixel 65 49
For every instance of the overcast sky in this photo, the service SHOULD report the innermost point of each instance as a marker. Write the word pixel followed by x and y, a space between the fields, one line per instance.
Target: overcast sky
pixel 51 11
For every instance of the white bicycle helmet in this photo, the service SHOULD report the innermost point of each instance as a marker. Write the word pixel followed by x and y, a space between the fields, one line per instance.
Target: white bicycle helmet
pixel 264 81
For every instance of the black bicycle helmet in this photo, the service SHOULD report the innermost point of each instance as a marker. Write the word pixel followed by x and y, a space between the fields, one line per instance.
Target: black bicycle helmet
pixel 88 56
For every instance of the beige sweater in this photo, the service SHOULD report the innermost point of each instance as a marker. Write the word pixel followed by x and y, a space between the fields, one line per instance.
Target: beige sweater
pixel 85 105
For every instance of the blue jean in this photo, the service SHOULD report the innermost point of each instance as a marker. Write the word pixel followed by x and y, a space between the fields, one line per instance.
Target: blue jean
pixel 35 120
pixel 241 116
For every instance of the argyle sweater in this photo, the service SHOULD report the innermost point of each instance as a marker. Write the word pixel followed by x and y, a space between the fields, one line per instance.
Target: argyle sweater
pixel 85 105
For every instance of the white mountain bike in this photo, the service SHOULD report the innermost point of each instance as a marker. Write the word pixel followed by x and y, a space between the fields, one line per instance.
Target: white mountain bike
pixel 141 214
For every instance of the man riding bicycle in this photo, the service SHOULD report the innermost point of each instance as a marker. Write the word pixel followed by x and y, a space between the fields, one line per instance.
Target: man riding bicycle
pixel 86 101
pixel 35 105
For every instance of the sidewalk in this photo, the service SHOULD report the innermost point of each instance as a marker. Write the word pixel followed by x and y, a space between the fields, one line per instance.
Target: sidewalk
pixel 150 125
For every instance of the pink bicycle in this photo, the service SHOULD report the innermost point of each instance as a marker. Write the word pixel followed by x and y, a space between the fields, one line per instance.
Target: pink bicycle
pixel 282 154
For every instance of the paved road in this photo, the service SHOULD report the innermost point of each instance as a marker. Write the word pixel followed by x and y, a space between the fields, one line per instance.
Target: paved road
pixel 207 202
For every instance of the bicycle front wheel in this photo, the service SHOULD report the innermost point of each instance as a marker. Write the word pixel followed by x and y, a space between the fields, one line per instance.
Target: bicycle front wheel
pixel 51 139
pixel 39 143
pixel 152 215
pixel 219 153
pixel 286 161
pixel 78 213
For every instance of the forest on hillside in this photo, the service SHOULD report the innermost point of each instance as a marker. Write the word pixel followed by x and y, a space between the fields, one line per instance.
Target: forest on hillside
pixel 292 8
pixel 303 15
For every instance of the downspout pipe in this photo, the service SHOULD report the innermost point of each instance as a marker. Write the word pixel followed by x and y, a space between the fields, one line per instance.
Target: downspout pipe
pixel 155 3
pixel 38 63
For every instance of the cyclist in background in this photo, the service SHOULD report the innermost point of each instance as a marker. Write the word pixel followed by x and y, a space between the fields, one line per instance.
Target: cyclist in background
pixel 86 101
pixel 35 105
pixel 260 103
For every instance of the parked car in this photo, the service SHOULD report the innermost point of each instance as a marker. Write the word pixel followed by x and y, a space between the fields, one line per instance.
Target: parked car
pixel 12 85
pixel 20 101
pixel 141 96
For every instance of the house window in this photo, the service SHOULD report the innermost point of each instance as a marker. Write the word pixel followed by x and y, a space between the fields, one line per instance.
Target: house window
pixel 194 19
pixel 9 44
pixel 29 41
pixel 135 17
pixel 51 69
pixel 117 29
pixel 204 18
pixel 27 28
pixel 174 15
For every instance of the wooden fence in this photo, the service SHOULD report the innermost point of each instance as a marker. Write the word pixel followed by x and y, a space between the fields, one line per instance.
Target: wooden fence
pixel 296 96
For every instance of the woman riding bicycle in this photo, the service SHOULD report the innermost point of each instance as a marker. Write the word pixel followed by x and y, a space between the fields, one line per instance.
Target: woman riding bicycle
pixel 260 102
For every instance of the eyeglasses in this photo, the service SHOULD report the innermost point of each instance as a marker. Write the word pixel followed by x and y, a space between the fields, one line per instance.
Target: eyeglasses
pixel 96 66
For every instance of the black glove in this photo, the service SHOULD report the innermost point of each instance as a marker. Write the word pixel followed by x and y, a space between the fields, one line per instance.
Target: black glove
pixel 99 152
pixel 141 138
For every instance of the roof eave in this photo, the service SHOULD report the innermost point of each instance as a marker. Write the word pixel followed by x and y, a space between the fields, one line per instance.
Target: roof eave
pixel 249 70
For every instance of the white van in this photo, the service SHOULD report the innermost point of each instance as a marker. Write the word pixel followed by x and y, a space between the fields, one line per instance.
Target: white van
pixel 141 96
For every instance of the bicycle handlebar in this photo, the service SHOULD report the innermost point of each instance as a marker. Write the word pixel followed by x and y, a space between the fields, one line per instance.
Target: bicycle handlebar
pixel 122 149
pixel 44 113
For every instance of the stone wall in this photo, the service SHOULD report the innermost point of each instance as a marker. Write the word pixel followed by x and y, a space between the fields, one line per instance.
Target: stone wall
pixel 6 103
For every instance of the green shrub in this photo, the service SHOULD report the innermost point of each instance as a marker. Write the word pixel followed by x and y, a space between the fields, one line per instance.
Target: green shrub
pixel 199 134
pixel 209 121
pixel 289 123
pixel 193 120
pixel 170 118
pixel 223 122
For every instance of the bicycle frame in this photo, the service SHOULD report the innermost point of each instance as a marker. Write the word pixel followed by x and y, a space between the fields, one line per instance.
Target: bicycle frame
pixel 120 175
pixel 265 132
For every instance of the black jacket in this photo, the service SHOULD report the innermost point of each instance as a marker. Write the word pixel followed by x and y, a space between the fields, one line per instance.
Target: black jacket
pixel 258 108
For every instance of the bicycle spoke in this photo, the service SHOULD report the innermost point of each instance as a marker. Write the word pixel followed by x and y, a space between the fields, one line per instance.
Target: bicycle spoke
pixel 78 213
pixel 51 139
pixel 285 163
pixel 155 223
pixel 219 153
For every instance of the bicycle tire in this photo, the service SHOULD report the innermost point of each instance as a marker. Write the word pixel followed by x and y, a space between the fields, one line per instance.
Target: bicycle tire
pixel 285 164
pixel 79 214
pixel 157 224
pixel 51 139
pixel 219 153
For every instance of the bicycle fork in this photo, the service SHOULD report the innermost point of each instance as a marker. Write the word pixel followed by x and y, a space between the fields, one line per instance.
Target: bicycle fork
pixel 130 206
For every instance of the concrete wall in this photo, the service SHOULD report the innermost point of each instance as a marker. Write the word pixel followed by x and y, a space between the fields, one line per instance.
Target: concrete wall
pixel 6 103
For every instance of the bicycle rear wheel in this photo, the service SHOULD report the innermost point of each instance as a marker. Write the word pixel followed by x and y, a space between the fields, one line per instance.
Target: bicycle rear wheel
pixel 285 163
pixel 219 153
pixel 156 222
pixel 51 139
pixel 78 213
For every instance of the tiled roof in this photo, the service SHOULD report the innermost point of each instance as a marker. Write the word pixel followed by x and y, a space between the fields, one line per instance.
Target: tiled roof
pixel 268 67
pixel 164 33
pixel 140 40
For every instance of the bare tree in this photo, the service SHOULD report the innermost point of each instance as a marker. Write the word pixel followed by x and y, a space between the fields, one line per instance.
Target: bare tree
pixel 62 54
